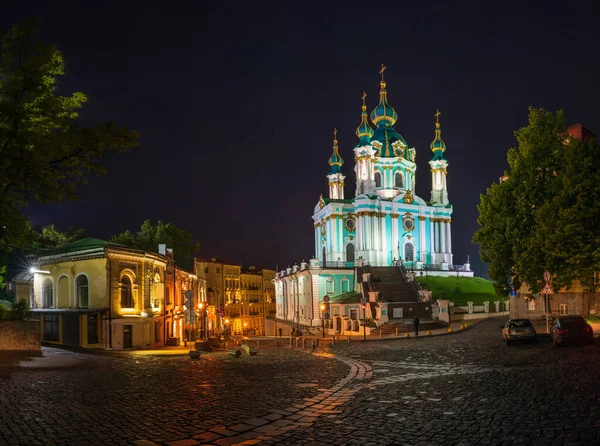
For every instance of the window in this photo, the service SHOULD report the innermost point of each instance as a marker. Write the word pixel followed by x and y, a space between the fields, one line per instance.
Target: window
pixel 399 180
pixel 329 286
pixel 83 297
pixel 377 179
pixel 345 285
pixel 218 270
pixel 354 315
pixel 409 254
pixel 126 293
pixel 206 270
pixel 531 305
pixel 51 327
pixel 92 328
pixel 47 295
pixel 563 309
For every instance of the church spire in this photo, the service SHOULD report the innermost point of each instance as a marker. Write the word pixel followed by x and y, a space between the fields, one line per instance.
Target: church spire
pixel 336 179
pixel 364 130
pixel 438 147
pixel 384 114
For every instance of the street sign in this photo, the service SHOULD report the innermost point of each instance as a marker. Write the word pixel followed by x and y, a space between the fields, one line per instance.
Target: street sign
pixel 326 315
pixel 363 300
pixel 513 293
pixel 547 289
pixel 326 298
pixel 547 276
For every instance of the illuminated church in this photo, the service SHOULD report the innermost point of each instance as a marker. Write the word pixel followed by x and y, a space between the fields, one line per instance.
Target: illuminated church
pixel 385 221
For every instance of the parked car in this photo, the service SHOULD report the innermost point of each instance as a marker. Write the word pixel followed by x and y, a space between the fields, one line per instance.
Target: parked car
pixel 518 330
pixel 571 329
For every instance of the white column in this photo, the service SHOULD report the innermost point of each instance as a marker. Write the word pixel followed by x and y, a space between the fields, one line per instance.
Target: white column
pixel 432 237
pixel 376 232
pixel 395 251
pixel 367 232
pixel 448 238
pixel 358 233
pixel 334 242
pixel 423 254
pixel 443 235
pixel 384 244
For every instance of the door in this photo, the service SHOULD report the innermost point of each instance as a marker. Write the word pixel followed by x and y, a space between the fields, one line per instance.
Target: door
pixel 350 253
pixel 92 329
pixel 398 313
pixel 127 336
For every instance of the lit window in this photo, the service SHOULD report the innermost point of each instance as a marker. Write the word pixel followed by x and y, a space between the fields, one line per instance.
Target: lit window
pixel 47 294
pixel 126 293
pixel 83 296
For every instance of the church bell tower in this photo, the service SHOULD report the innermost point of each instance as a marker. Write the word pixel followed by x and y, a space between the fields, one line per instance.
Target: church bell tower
pixel 336 179
pixel 439 166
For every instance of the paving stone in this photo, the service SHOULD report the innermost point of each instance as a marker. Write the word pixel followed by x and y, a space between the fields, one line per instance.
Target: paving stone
pixel 207 436
pixel 242 427
pixel 272 417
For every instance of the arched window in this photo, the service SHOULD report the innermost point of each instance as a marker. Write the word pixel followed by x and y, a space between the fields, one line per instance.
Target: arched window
pixel 409 253
pixel 345 285
pixel 47 294
pixel 83 296
pixel 377 179
pixel 399 180
pixel 126 293
pixel 329 285
pixel 349 252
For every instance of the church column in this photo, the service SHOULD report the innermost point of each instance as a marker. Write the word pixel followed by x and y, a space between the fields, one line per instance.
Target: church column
pixel 377 232
pixel 334 234
pixel 384 243
pixel 432 238
pixel 359 231
pixel 395 252
pixel 448 237
pixel 443 235
pixel 422 241
pixel 317 254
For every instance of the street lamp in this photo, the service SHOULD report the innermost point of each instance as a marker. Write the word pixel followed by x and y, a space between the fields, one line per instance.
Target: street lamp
pixel 323 318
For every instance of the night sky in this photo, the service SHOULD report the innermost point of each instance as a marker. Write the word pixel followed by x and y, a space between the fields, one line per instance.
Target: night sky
pixel 236 104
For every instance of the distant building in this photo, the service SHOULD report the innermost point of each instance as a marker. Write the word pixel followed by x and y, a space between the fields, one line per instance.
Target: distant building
pixel 238 298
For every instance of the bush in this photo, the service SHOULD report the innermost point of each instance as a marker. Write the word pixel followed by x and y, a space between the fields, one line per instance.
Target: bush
pixel 17 311
pixel 593 319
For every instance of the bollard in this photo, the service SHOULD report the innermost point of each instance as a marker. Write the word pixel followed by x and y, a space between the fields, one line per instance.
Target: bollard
pixel 381 334
pixel 462 326
pixel 466 325
pixel 318 342
pixel 297 342
pixel 314 345
pixel 333 339
pixel 397 331
pixel 407 335
pixel 348 339
pixel 428 333
pixel 450 330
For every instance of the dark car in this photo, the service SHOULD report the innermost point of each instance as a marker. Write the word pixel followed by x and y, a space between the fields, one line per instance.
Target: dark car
pixel 571 329
pixel 518 330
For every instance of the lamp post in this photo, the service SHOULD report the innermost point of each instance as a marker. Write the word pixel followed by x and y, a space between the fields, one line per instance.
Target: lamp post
pixel 323 318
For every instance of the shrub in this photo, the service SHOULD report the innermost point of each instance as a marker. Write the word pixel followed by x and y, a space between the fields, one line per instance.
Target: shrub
pixel 593 319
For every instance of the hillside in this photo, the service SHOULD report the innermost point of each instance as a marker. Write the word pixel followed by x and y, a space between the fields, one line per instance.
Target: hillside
pixel 460 290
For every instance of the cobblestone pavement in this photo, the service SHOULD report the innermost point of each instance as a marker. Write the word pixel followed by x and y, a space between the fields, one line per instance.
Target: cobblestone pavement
pixel 466 388
pixel 116 400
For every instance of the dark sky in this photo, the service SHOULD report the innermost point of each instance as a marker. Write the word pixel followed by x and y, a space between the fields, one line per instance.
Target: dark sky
pixel 236 103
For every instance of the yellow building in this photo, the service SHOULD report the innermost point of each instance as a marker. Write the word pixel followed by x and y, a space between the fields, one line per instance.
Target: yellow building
pixel 238 299
pixel 97 294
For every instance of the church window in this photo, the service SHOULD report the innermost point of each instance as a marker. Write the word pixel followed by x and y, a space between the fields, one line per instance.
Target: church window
pixel 377 179
pixel 399 180
pixel 409 254
pixel 329 285
pixel 349 252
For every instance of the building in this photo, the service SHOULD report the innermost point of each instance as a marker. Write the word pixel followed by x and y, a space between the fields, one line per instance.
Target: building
pixel 384 225
pixel 238 298
pixel 97 294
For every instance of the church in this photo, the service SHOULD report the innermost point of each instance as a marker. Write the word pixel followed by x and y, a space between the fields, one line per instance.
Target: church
pixel 369 248
pixel 385 221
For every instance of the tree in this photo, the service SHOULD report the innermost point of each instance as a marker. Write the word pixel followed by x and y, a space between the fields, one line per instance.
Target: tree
pixel 49 237
pixel 149 237
pixel 546 214
pixel 44 155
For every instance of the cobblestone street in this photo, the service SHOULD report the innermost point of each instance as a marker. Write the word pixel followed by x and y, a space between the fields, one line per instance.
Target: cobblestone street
pixel 466 388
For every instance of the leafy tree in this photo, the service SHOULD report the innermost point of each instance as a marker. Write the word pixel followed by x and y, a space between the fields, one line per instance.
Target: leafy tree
pixel 49 237
pixel 149 237
pixel 44 155
pixel 546 214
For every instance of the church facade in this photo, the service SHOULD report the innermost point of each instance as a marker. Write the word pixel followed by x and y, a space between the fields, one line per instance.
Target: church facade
pixel 385 221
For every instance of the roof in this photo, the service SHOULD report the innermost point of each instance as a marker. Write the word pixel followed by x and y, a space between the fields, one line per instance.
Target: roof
pixel 352 297
pixel 82 245
pixel 23 276
pixel 580 132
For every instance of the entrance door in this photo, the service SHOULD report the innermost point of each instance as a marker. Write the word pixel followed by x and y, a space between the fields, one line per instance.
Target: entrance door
pixel 350 252
pixel 92 329
pixel 398 313
pixel 127 336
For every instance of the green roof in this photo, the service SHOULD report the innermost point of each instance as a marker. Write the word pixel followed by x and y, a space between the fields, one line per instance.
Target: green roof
pixel 352 297
pixel 82 245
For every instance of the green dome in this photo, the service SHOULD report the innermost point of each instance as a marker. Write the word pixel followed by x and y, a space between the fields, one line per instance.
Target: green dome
pixel 336 160
pixel 384 113
pixel 364 130
pixel 387 136
pixel 438 146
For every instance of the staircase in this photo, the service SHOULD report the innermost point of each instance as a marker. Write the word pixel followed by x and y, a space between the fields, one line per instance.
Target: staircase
pixel 391 283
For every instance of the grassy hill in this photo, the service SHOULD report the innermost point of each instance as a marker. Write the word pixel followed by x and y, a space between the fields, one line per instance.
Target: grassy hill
pixel 460 290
